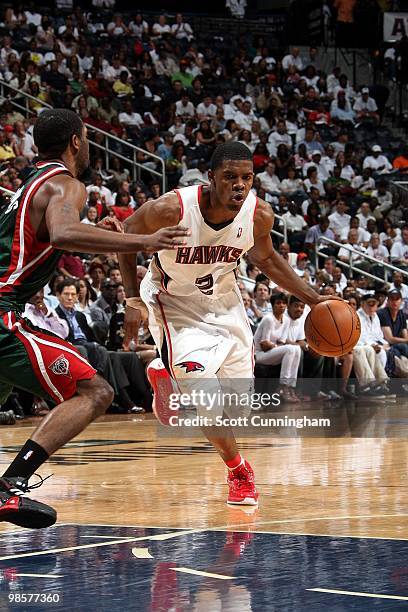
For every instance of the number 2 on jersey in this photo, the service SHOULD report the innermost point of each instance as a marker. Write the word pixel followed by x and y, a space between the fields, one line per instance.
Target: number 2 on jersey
pixel 205 284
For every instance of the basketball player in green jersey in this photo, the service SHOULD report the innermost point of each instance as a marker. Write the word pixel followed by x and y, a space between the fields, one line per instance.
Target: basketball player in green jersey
pixel 41 220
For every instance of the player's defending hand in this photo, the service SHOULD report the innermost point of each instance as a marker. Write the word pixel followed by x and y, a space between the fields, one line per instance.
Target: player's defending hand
pixel 166 238
pixel 112 224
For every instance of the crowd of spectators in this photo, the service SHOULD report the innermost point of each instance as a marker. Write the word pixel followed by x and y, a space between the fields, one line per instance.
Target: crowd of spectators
pixel 323 159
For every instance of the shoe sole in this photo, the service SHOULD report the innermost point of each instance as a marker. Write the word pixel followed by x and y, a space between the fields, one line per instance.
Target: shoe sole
pixel 248 501
pixel 29 513
pixel 162 387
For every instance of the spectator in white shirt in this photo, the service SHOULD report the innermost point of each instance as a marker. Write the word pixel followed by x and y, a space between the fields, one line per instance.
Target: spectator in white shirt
pixel 161 27
pixel 333 80
pixel 280 136
pixel 364 214
pixel 370 355
pixel 293 220
pixel 112 72
pixel 363 236
pixel 206 109
pixel 246 116
pixel 129 118
pixel 138 26
pixel 339 219
pixel 105 194
pixel 182 30
pixel 271 348
pixel 313 180
pixel 184 108
pixel 292 59
pixel 269 181
pixel 399 250
pixel 378 251
pixel 378 163
pixel 322 170
pixel 383 195
pixel 366 107
pixel 355 252
pixel 364 183
pixel 399 285
pixel 91 216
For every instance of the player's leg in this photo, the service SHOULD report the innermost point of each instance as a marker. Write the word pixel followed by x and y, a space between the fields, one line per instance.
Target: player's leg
pixel 52 369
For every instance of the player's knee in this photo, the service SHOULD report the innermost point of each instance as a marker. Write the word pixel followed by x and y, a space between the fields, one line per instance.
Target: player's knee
pixel 100 391
pixel 104 396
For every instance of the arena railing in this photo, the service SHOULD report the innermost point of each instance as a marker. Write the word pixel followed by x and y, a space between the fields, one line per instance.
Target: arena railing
pixel 106 147
pixel 354 267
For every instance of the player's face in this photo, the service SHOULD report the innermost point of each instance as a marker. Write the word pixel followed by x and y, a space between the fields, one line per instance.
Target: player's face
pixel 232 181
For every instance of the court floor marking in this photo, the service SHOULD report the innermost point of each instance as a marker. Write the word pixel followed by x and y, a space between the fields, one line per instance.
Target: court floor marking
pixel 187 570
pixel 357 594
pixel 40 575
pixel 179 533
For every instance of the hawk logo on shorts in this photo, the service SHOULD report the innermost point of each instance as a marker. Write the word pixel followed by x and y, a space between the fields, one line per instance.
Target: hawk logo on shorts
pixel 60 367
pixel 191 366
pixel 239 233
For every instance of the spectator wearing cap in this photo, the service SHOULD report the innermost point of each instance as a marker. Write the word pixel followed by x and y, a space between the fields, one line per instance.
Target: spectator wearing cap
pixel 369 354
pixel 322 170
pixel 366 107
pixel 378 163
pixel 394 323
pixel 301 266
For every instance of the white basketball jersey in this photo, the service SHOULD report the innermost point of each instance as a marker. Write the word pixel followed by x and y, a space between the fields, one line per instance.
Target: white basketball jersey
pixel 206 264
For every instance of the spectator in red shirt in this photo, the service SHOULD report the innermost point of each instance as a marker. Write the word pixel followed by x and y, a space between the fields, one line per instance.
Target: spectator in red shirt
pixel 71 265
pixel 122 208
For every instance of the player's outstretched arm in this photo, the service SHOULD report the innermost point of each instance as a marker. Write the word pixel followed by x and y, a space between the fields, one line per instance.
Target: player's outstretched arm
pixel 65 199
pixel 272 264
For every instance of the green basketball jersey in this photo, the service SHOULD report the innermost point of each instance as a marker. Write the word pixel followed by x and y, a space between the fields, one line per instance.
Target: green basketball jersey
pixel 26 264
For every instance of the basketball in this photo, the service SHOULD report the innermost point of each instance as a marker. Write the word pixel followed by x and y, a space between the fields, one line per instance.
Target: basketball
pixel 332 328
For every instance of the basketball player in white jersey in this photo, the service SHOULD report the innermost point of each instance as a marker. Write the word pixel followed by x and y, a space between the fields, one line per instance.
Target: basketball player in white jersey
pixel 196 314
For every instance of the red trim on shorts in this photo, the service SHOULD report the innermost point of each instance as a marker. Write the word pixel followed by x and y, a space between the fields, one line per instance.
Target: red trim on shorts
pixel 168 337
pixel 199 193
pixel 176 191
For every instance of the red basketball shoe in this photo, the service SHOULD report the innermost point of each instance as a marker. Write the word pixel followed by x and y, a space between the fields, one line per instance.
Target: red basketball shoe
pixel 163 387
pixel 242 486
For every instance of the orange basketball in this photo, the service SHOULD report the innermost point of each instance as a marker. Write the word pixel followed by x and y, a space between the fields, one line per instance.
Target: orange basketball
pixel 332 328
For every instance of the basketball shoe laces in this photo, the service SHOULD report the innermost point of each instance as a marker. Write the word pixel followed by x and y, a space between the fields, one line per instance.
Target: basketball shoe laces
pixel 19 486
pixel 242 478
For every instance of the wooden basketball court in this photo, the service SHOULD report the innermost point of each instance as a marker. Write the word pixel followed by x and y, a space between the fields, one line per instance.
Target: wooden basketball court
pixel 143 523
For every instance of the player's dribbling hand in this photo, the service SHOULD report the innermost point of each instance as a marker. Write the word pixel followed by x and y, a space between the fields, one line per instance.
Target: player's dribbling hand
pixel 135 314
pixel 166 238
pixel 324 298
pixel 112 224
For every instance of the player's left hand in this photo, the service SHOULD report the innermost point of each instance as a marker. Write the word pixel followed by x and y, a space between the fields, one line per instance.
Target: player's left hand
pixel 112 224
